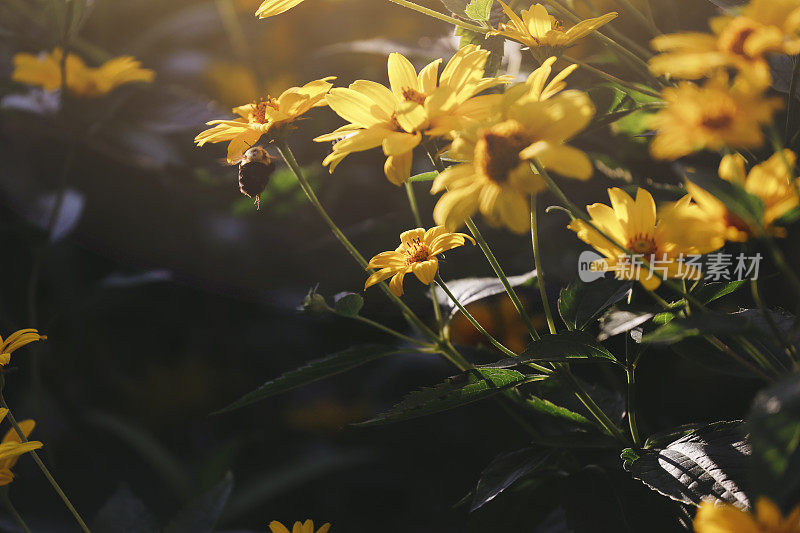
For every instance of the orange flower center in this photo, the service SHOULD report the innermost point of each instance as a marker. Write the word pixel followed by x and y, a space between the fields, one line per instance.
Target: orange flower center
pixel 718 115
pixel 417 252
pixel 412 95
pixel 735 35
pixel 259 112
pixel 497 150
pixel 643 245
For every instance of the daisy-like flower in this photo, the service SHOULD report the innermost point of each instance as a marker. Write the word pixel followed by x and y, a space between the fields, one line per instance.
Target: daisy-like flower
pixel 534 123
pixel 12 447
pixel 714 116
pixel 265 117
pixel 417 106
pixel 44 70
pixel 658 237
pixel 742 42
pixel 770 181
pixel 545 35
pixel 15 341
pixel 299 527
pixel 714 517
pixel 417 253
pixel 270 8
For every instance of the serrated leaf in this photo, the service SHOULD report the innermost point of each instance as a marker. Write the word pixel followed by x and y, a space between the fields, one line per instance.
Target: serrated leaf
pixel 480 10
pixel 710 292
pixel 546 407
pixel 201 515
pixel 503 471
pixel 580 302
pixel 454 392
pixel 123 512
pixel 774 426
pixel 566 347
pixel 349 304
pixel 709 462
pixel 469 290
pixel 314 371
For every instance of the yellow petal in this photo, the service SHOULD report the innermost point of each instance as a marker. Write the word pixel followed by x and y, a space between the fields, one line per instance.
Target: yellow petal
pixel 399 143
pixel 402 74
pixel 271 8
pixel 356 107
pixel 398 167
pixel 426 270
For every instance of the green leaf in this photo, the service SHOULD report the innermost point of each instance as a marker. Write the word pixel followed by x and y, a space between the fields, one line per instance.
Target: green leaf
pixel 748 321
pixel 479 10
pixel 454 392
pixel 706 463
pixel 709 292
pixel 774 427
pixel 349 304
pixel 504 470
pixel 565 347
pixel 546 407
pixel 425 176
pixel 314 371
pixel 201 515
pixel 580 302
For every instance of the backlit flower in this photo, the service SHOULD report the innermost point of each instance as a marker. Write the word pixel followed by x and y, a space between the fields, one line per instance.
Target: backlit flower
pixel 659 237
pixel 545 35
pixel 418 106
pixel 15 341
pixel 770 181
pixel 497 178
pixel 714 116
pixel 714 517
pixel 44 70
pixel 417 253
pixel 264 117
pixel 270 8
pixel 742 42
pixel 11 447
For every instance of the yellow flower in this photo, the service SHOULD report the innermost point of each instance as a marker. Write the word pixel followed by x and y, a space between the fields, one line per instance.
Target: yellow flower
pixel 497 178
pixel 770 181
pixel 742 42
pixel 305 527
pixel 264 117
pixel 538 29
pixel 15 341
pixel 714 116
pixel 270 8
pixel 727 518
pixel 417 106
pixel 659 238
pixel 12 447
pixel 44 71
pixel 417 253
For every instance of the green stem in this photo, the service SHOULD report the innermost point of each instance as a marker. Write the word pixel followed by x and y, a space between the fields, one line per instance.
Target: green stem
pixel 596 411
pixel 288 156
pixel 412 202
pixel 440 16
pixel 630 372
pixel 537 259
pixel 646 22
pixel 612 78
pixel 390 331
pixel 44 469
pixel 12 511
pixel 236 37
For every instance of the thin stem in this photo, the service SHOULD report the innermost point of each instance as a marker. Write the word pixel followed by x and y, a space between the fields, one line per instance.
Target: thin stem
pixel 390 331
pixel 440 16
pixel 646 22
pixel 288 156
pixel 236 36
pixel 596 411
pixel 537 259
pixel 12 511
pixel 412 202
pixel 484 246
pixel 612 78
pixel 630 372
pixel 44 469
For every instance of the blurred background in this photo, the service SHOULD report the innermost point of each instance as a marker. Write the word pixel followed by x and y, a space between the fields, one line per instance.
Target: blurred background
pixel 165 295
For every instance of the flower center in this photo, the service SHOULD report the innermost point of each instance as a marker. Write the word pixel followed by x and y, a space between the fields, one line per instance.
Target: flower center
pixel 259 112
pixel 497 150
pixel 734 221
pixel 643 245
pixel 417 252
pixel 735 36
pixel 412 95
pixel 719 115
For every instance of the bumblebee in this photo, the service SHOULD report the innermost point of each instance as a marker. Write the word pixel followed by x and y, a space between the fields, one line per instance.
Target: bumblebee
pixel 255 170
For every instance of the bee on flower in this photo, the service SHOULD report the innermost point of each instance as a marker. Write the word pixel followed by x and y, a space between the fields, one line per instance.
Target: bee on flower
pixel 742 42
pixel 267 116
pixel 44 70
pixel 770 182
pixel 662 236
pixel 417 107
pixel 299 527
pixel 543 33
pixel 714 116
pixel 726 518
pixel 417 253
pixel 533 123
